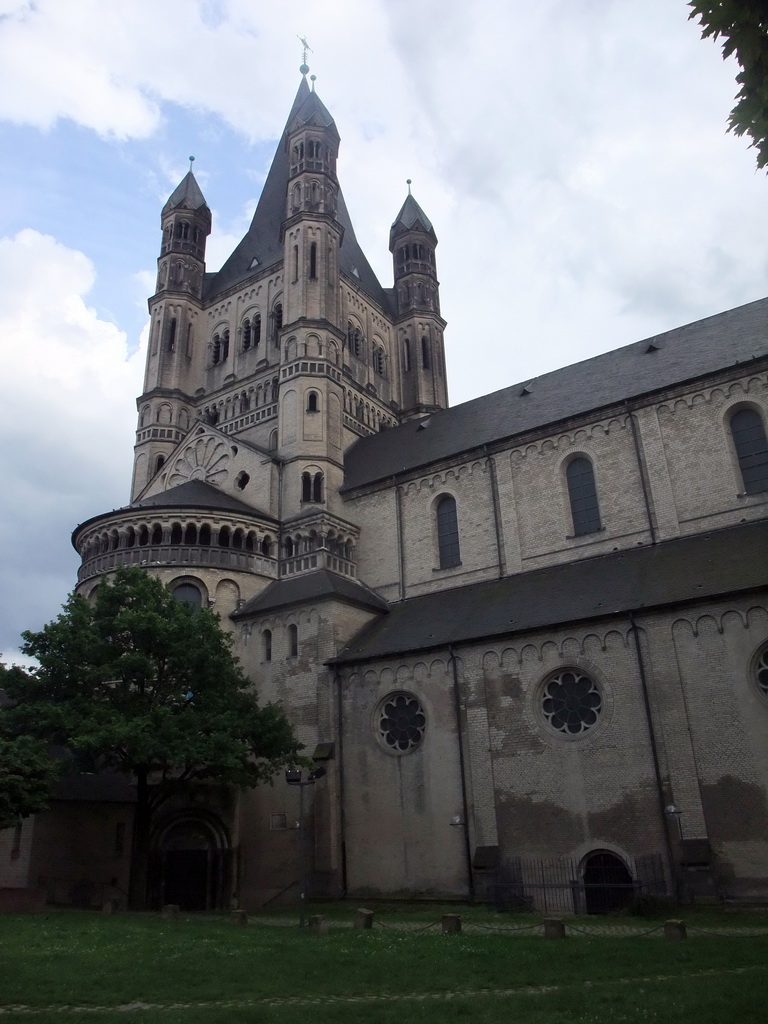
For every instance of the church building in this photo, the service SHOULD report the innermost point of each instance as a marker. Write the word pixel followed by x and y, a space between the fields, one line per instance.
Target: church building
pixel 526 637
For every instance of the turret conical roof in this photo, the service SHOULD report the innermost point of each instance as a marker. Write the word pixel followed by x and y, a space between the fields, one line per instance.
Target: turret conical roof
pixel 411 218
pixel 187 193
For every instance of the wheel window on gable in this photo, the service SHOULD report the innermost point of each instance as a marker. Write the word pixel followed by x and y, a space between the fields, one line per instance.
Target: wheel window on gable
pixel 749 440
pixel 447 521
pixel 582 494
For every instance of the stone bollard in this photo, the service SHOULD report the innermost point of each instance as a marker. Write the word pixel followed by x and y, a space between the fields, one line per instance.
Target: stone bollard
pixel 170 912
pixel 110 906
pixel 554 928
pixel 317 923
pixel 451 924
pixel 675 930
pixel 364 918
pixel 238 917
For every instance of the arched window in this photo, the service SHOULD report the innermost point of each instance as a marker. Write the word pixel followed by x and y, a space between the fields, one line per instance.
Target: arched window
pixel 157 534
pixel 273 441
pixel 188 594
pixel 317 487
pixel 266 546
pixel 295 263
pixel 172 335
pixel 425 361
pixel 216 350
pixel 225 346
pixel 447 532
pixel 277 320
pixel 582 493
pixel 751 446
pixel 224 537
pixel 289 547
pixel 293 640
pixel 313 260
pixel 159 463
pixel 190 534
pixel 312 402
pixel 205 534
pixel 306 487
pixel 246 334
pixel 406 354
pixel 266 644
pixel 379 361
pixel 176 533
pixel 256 330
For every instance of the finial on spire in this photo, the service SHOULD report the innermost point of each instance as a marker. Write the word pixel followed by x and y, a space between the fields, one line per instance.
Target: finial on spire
pixel 408 183
pixel 305 48
pixel 191 161
pixel 313 79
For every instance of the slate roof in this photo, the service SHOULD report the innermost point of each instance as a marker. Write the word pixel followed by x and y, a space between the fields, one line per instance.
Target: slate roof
pixel 200 495
pixel 311 587
pixel 411 215
pixel 676 571
pixel 738 336
pixel 262 240
pixel 188 190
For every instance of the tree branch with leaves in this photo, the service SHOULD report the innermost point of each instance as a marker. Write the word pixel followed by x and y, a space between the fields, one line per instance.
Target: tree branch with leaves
pixel 743 25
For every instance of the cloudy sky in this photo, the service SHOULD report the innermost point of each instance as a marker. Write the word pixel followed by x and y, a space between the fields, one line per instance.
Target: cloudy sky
pixel 571 154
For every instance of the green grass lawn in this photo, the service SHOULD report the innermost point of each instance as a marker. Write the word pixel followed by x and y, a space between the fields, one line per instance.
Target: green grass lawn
pixel 98 963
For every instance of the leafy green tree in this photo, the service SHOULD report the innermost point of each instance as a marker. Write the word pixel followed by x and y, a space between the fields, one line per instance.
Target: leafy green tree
pixel 743 24
pixel 147 685
pixel 27 772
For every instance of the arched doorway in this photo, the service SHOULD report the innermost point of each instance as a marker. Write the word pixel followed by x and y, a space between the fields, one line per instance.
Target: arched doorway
pixel 608 884
pixel 193 863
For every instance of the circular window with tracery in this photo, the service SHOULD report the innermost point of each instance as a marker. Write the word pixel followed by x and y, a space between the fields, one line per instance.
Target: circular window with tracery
pixel 571 702
pixel 401 722
pixel 761 670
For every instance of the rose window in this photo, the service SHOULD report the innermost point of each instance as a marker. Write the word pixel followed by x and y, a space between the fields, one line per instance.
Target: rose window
pixel 401 722
pixel 571 702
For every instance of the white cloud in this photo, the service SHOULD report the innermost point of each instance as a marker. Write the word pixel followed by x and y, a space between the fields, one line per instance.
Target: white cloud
pixel 67 418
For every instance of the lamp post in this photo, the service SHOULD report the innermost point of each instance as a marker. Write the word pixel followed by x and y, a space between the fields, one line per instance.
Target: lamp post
pixel 293 777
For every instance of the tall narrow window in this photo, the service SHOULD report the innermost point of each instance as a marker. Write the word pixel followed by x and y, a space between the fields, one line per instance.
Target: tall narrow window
pixel 312 401
pixel 293 640
pixel 313 260
pixel 447 532
pixel 295 263
pixel 225 346
pixel 256 330
pixel 406 355
pixel 317 487
pixel 216 349
pixel 582 493
pixel 246 334
pixel 751 449
pixel 278 321
pixel 266 642
pixel 425 362
pixel 172 335
pixel 306 487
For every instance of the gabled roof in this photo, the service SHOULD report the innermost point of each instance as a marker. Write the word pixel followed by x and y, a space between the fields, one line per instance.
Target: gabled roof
pixel 311 586
pixel 674 572
pixel 739 336
pixel 411 217
pixel 262 241
pixel 187 193
pixel 199 494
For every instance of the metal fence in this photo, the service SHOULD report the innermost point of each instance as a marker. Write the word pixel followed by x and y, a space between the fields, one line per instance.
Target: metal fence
pixel 600 884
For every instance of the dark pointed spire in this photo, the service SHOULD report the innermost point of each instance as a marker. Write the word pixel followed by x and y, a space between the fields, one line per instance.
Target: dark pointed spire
pixel 411 218
pixel 187 193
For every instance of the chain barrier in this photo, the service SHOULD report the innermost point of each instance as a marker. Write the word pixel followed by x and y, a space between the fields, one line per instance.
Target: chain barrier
pixel 409 928
pixel 502 927
pixel 729 932
pixel 619 931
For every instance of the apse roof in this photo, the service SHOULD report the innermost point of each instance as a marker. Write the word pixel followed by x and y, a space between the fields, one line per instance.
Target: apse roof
pixel 311 587
pixel 673 572
pixel 736 337
pixel 262 242
pixel 200 495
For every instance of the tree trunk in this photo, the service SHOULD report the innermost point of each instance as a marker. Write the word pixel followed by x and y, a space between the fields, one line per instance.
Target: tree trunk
pixel 137 897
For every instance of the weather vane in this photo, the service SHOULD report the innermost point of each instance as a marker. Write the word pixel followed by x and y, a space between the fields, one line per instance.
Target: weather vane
pixel 306 48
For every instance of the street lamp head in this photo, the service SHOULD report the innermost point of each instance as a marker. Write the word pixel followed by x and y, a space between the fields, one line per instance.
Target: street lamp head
pixel 293 776
pixel 671 810
pixel 457 821
pixel 316 773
